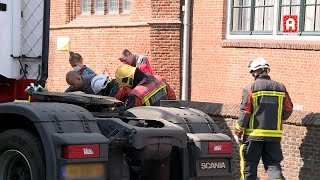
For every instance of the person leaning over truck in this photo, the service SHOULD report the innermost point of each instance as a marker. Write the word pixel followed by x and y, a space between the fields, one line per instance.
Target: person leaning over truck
pixel 145 90
pixel 265 105
pixel 92 84
pixel 76 62
pixel 141 62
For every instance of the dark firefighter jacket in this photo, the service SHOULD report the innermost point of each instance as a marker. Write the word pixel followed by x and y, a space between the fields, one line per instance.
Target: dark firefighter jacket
pixel 111 89
pixel 148 92
pixel 265 104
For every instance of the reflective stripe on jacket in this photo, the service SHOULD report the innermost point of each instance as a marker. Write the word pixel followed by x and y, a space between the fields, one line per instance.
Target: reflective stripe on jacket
pixel 265 104
pixel 152 92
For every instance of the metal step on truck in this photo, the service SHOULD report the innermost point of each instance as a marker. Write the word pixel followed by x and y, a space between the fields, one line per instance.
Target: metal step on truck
pixel 70 136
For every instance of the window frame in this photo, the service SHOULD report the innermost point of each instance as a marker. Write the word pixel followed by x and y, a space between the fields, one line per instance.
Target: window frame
pixel 124 11
pixel 304 32
pixel 252 7
pixel 91 7
pixel 82 8
pixel 236 34
pixel 95 8
pixel 113 11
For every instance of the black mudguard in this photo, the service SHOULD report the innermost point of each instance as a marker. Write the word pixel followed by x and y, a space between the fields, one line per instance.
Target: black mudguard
pixel 58 124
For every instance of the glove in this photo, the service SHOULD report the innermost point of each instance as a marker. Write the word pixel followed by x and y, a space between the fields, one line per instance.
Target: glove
pixel 32 88
pixel 29 90
pixel 237 136
pixel 39 88
pixel 238 139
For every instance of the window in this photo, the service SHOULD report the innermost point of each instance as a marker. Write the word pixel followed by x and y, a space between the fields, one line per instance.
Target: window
pixel 113 6
pixel 99 6
pixel 265 17
pixel 252 16
pixel 126 5
pixel 85 6
pixel 312 16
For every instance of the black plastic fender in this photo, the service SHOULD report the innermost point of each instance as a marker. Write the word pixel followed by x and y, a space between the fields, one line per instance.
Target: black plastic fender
pixel 200 129
pixel 57 124
pixel 191 120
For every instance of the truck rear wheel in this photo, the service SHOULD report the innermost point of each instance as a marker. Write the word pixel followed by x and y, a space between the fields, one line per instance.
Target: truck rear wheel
pixel 21 156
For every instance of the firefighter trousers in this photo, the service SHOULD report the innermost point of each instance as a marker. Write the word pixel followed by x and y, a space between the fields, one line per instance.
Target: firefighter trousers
pixel 250 154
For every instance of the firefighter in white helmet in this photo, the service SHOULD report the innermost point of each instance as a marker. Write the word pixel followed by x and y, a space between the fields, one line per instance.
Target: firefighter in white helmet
pixel 143 89
pixel 98 84
pixel 104 85
pixel 259 63
pixel 265 105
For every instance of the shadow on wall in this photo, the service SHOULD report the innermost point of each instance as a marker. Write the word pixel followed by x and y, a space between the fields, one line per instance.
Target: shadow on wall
pixel 310 148
pixel 224 116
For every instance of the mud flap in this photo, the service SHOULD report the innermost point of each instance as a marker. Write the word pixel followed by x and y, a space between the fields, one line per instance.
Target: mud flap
pixel 210 156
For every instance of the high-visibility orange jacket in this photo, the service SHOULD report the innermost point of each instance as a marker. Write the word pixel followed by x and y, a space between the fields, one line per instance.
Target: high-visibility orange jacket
pixel 148 92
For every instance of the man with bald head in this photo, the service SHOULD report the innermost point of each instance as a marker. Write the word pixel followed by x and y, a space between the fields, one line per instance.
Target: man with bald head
pixel 99 84
pixel 79 83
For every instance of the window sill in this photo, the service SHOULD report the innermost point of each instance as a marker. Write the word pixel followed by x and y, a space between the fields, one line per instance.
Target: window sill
pixel 98 21
pixel 272 44
pixel 106 21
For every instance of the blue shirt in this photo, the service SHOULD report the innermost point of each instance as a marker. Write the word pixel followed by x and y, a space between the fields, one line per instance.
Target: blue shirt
pixel 87 71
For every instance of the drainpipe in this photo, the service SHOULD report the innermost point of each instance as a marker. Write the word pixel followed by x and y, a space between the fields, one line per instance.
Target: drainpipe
pixel 45 44
pixel 186 51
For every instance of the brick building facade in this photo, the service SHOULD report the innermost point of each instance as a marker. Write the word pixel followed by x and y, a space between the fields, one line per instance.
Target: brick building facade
pixel 151 28
pixel 218 63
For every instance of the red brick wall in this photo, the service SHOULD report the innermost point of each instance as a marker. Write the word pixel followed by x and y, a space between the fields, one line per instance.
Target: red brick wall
pixel 165 9
pixel 165 53
pixel 219 70
pixel 300 141
pixel 99 38
pixel 58 9
pixel 99 48
pixel 218 66
pixel 140 10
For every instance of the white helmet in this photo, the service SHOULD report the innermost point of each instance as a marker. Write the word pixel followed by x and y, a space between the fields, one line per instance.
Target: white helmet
pixel 99 82
pixel 258 64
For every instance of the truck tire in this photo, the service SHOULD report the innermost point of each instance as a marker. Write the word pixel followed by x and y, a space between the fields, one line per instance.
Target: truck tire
pixel 21 156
